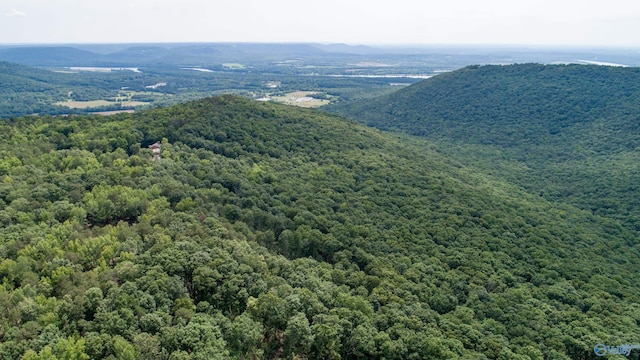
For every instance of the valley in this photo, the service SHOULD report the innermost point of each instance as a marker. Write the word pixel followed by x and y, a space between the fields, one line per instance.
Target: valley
pixel 182 72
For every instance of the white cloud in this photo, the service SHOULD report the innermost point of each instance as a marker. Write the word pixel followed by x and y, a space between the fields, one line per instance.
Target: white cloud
pixel 16 13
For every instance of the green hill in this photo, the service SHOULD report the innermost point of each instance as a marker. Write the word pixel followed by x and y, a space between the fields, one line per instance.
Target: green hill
pixel 566 132
pixel 26 90
pixel 267 231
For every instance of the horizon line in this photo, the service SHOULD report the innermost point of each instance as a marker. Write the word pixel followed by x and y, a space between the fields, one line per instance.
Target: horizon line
pixel 349 44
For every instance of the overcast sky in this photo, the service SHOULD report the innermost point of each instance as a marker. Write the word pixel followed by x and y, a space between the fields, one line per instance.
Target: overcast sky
pixel 509 22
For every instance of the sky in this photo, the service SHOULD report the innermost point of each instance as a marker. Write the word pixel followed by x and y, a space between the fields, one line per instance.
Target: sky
pixel 614 23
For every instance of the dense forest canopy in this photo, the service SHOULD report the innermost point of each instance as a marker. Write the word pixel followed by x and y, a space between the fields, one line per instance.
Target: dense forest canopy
pixel 267 231
pixel 26 90
pixel 570 133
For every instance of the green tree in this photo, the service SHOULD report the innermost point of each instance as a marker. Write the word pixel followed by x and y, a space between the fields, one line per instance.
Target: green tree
pixel 71 349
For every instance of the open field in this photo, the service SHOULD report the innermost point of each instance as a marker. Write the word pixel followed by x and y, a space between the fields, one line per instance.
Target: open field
pixel 98 103
pixel 233 66
pixel 108 113
pixel 300 98
pixel 73 69
pixel 124 98
pixel 130 95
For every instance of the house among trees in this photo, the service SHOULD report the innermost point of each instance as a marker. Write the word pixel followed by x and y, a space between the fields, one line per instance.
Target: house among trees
pixel 155 148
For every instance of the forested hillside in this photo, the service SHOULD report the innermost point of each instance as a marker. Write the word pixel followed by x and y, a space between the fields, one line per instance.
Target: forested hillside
pixel 26 90
pixel 266 231
pixel 569 133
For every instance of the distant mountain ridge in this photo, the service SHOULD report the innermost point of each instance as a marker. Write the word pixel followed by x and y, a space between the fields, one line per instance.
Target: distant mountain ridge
pixel 153 54
pixel 144 54
pixel 48 56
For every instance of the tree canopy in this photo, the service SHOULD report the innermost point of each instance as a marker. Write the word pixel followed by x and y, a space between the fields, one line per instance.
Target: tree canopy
pixel 267 231
pixel 569 133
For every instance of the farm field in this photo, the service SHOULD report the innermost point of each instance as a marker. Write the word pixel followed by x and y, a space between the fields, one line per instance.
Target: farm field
pixel 123 99
pixel 72 104
pixel 233 66
pixel 300 98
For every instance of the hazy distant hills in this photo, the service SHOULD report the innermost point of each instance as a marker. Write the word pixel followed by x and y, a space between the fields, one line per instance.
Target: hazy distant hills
pixel 48 56
pixel 272 231
pixel 164 54
pixel 193 54
pixel 566 132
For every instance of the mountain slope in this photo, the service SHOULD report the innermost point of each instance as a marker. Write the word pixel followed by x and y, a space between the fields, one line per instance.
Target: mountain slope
pixel 567 132
pixel 27 90
pixel 270 231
